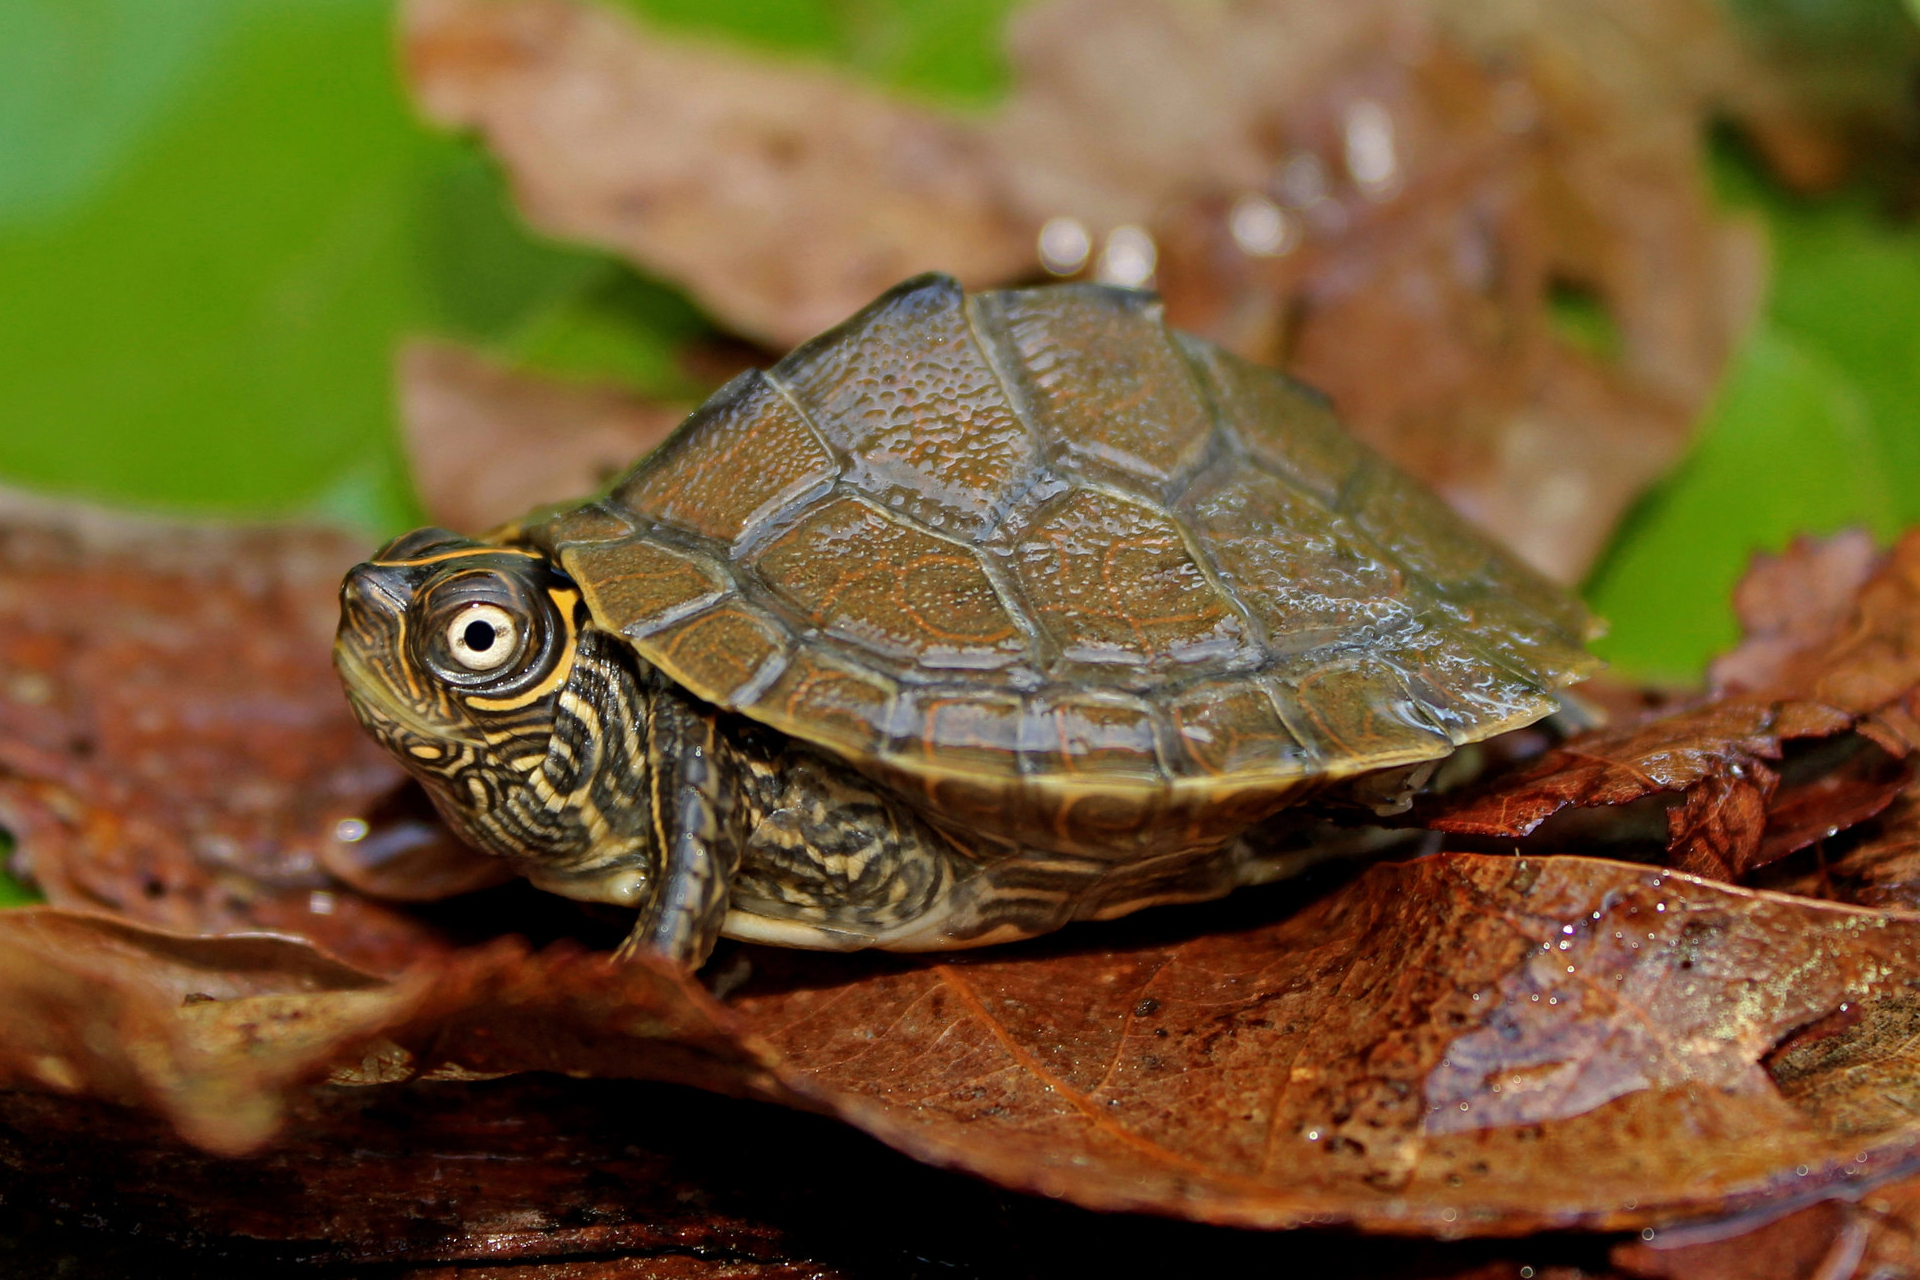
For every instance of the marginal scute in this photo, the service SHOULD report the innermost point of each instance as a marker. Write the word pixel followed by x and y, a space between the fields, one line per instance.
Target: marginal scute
pixel 1095 734
pixel 1461 688
pixel 636 586
pixel 1113 582
pixel 952 728
pixel 1233 727
pixel 1513 635
pixel 830 701
pixel 1418 529
pixel 591 522
pixel 1288 427
pixel 1357 712
pixel 883 584
pixel 1309 576
pixel 1105 378
pixel 904 390
pixel 724 655
pixel 742 455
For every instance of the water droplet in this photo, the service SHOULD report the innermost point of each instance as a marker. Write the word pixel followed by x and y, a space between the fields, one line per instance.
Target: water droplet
pixel 1370 150
pixel 1448 1215
pixel 1566 928
pixel 1465 1107
pixel 1064 245
pixel 1526 1273
pixel 1313 1135
pixel 1659 906
pixel 350 830
pixel 1262 228
pixel 1646 1233
pixel 1569 968
pixel 1801 1170
pixel 1129 258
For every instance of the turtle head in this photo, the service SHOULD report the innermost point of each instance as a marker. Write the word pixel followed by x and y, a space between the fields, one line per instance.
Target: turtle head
pixel 456 656
pixel 453 650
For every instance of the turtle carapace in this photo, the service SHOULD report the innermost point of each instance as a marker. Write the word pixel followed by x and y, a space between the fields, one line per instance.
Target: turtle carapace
pixel 973 616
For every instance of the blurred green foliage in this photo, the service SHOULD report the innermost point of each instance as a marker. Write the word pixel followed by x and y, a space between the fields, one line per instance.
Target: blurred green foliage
pixel 1817 427
pixel 217 217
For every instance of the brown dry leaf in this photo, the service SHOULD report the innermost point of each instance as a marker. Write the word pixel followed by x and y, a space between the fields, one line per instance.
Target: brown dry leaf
pixel 1835 669
pixel 1327 186
pixel 1790 602
pixel 778 195
pixel 488 444
pixel 1457 1045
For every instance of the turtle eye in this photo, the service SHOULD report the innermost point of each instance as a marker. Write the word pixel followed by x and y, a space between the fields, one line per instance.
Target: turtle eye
pixel 482 637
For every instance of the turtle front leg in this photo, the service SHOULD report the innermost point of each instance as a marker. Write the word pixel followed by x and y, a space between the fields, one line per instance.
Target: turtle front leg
pixel 694 809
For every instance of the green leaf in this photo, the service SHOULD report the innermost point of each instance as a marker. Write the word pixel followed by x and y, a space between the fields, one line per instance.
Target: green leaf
pixel 943 50
pixel 83 82
pixel 1817 427
pixel 1788 448
pixel 12 892
pixel 210 323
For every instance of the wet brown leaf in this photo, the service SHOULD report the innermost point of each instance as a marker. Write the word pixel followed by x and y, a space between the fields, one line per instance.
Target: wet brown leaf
pixel 1832 670
pixel 1457 1045
pixel 488 445
pixel 174 746
pixel 1322 183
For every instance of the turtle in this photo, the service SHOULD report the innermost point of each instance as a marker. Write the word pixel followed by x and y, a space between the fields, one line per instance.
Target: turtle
pixel 972 616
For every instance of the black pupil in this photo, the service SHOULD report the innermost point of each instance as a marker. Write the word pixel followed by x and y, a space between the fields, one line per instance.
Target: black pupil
pixel 479 636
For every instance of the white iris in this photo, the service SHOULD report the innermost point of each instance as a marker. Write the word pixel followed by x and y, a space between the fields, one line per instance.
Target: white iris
pixel 482 637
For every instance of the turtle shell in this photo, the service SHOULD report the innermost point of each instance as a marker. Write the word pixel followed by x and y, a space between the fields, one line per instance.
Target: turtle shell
pixel 1063 575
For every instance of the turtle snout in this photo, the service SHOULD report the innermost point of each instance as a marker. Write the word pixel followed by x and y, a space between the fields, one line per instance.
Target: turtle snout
pixel 366 649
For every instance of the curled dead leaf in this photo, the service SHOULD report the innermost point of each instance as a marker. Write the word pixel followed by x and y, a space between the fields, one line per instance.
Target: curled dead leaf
pixel 1835 669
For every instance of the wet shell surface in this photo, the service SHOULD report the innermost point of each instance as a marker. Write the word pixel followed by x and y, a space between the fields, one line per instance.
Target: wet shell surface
pixel 1069 577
